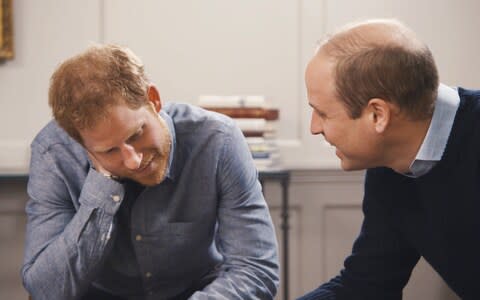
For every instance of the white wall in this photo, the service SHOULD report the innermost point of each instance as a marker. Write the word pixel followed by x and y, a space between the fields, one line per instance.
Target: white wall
pixel 195 47
pixel 45 33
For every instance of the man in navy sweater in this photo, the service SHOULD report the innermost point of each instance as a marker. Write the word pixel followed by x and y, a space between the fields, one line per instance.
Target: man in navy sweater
pixel 375 94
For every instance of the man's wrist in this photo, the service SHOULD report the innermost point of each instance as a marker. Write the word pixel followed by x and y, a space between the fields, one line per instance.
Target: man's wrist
pixel 98 191
pixel 107 175
pixel 113 177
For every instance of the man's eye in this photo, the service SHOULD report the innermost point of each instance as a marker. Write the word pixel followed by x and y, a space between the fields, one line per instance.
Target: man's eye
pixel 110 151
pixel 137 134
pixel 320 114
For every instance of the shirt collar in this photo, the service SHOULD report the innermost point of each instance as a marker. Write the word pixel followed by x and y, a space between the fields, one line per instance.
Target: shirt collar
pixel 171 128
pixel 435 141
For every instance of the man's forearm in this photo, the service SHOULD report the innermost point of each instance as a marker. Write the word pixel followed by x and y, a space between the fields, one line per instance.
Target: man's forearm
pixel 237 282
pixel 66 249
pixel 247 242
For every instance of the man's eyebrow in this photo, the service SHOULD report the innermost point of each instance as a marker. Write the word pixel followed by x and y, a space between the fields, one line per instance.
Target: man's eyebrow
pixel 316 109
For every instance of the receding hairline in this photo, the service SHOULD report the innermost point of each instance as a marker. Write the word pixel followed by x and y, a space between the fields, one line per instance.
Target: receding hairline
pixel 367 34
pixel 373 59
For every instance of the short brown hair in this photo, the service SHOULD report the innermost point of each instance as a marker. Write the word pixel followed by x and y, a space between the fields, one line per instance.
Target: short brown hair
pixel 84 87
pixel 383 59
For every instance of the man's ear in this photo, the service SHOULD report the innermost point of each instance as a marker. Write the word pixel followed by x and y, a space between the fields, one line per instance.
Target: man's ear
pixel 154 97
pixel 379 113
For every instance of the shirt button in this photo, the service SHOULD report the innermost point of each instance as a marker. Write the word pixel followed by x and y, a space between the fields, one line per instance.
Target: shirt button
pixel 115 198
pixel 148 274
pixel 138 237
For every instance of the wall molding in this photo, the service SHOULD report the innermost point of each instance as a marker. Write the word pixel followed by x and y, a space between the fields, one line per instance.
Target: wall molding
pixel 14 157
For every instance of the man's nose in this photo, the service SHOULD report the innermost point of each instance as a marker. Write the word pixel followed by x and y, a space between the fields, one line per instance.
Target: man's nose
pixel 131 158
pixel 316 126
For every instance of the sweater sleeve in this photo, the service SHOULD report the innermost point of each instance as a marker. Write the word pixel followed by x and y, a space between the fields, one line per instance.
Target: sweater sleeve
pixel 381 260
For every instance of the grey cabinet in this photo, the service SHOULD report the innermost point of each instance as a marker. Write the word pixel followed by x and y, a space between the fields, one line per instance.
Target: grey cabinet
pixel 325 218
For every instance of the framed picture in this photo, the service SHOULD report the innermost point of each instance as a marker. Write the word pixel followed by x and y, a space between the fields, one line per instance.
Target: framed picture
pixel 6 29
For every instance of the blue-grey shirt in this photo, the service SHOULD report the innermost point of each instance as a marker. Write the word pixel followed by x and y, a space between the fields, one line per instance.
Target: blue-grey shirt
pixel 435 141
pixel 205 231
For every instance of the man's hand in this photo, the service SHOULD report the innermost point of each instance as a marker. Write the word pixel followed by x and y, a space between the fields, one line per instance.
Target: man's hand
pixel 98 166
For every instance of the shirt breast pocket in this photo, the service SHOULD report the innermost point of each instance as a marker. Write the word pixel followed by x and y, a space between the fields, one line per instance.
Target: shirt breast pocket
pixel 181 247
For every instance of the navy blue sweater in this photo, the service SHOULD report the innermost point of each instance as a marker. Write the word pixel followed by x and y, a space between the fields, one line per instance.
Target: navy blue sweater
pixel 435 216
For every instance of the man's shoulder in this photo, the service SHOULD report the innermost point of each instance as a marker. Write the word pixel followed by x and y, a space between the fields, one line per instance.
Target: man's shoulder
pixel 465 92
pixel 469 99
pixel 52 135
pixel 189 118
pixel 465 133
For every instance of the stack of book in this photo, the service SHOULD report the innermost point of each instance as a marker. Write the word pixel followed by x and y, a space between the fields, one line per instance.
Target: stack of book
pixel 255 119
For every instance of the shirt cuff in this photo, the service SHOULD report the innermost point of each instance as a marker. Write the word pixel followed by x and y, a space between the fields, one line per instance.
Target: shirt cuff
pixel 102 192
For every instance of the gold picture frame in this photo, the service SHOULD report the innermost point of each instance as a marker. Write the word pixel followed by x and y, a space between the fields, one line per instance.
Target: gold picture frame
pixel 6 29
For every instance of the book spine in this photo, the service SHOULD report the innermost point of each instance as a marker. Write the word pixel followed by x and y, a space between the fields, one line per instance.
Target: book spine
pixel 231 101
pixel 267 114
